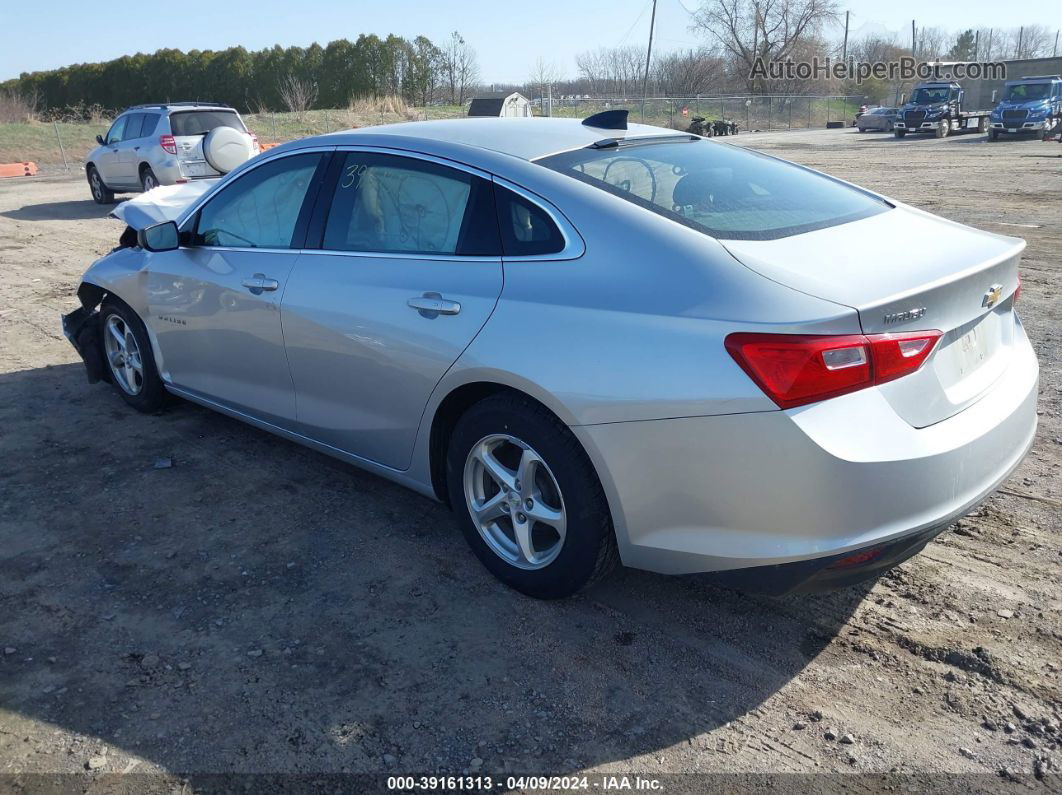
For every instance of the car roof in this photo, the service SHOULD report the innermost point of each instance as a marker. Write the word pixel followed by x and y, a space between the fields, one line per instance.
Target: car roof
pixel 525 138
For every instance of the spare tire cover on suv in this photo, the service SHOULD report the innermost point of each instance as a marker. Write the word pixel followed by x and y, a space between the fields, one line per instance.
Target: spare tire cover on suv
pixel 225 148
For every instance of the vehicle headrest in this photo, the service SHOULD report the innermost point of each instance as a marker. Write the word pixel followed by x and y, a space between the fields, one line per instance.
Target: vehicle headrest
pixel 695 187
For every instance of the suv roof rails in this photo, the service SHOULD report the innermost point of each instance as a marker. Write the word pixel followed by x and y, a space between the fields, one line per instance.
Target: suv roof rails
pixel 165 105
pixel 1036 77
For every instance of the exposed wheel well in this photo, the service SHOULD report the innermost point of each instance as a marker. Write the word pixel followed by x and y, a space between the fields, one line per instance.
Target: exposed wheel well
pixel 446 416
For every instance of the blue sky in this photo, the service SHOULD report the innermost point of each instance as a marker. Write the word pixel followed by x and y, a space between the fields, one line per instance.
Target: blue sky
pixel 508 35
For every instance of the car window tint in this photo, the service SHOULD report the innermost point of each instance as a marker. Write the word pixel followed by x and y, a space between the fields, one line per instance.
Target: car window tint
pixel 151 121
pixel 526 229
pixel 114 135
pixel 724 191
pixel 200 122
pixel 133 126
pixel 393 204
pixel 261 208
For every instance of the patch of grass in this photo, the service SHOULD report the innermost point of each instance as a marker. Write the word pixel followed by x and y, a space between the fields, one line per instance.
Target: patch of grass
pixel 35 141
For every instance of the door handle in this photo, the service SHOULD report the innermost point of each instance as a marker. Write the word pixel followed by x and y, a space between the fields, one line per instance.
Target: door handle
pixel 259 284
pixel 433 304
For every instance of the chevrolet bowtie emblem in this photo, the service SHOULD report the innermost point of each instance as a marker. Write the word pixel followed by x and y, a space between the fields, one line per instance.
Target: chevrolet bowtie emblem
pixel 992 295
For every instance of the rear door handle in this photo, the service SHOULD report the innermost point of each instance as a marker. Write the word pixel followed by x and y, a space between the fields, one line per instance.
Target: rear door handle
pixel 433 304
pixel 259 284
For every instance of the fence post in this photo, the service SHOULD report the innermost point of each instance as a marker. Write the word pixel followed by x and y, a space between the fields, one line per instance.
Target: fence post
pixel 770 102
pixel 809 112
pixel 274 116
pixel 62 151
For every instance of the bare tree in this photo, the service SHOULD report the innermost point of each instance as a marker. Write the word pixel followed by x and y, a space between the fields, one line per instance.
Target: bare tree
pixel 1030 41
pixel 298 95
pixel 544 75
pixel 460 68
pixel 771 30
pixel 688 73
pixel 932 43
pixel 614 71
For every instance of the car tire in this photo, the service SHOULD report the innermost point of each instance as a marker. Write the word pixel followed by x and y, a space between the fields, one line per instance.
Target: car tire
pixel 993 135
pixel 943 128
pixel 148 180
pixel 572 544
pixel 101 194
pixel 899 133
pixel 128 358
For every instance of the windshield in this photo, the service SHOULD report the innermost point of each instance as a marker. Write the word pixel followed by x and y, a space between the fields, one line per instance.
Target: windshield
pixel 930 96
pixel 883 111
pixel 200 122
pixel 723 191
pixel 1027 91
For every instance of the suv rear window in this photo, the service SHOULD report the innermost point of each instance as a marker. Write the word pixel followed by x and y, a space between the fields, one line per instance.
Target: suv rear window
pixel 721 190
pixel 200 122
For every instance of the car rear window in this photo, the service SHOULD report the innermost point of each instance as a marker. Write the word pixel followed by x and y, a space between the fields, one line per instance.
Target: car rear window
pixel 200 122
pixel 721 190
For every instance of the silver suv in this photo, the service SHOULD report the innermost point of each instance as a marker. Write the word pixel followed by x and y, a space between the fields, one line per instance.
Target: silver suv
pixel 159 144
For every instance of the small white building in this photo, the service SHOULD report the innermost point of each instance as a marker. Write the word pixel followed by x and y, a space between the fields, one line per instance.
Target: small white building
pixel 510 106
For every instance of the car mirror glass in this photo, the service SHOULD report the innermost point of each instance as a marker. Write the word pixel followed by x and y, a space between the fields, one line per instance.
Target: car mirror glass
pixel 160 237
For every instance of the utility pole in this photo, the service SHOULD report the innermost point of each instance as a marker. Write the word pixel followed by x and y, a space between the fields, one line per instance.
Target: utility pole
pixel 913 37
pixel 1021 36
pixel 648 57
pixel 1054 51
pixel 844 47
pixel 977 43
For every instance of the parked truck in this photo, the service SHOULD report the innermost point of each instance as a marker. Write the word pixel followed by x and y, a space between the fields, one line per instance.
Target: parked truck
pixel 1029 104
pixel 937 107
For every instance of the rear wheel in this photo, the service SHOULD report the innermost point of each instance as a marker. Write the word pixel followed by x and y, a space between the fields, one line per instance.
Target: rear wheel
pixel 101 194
pixel 130 361
pixel 148 180
pixel 528 500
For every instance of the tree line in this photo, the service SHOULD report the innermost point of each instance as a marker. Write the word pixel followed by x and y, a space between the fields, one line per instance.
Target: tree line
pixel 419 70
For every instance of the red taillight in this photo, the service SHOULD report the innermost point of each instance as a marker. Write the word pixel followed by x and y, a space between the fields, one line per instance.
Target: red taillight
pixel 167 143
pixel 794 370
pixel 1017 291
pixel 254 140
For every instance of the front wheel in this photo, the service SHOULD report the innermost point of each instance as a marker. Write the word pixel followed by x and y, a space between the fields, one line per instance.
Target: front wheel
pixel 899 133
pixel 528 500
pixel 943 128
pixel 101 194
pixel 993 135
pixel 130 361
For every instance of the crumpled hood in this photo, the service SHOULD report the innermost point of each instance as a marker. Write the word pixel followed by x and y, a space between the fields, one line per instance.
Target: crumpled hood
pixel 164 203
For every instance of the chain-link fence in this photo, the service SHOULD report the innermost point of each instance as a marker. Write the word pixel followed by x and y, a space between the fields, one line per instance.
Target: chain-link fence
pixel 749 113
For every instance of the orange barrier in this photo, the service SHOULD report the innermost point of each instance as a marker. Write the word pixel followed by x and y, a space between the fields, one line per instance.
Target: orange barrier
pixel 262 147
pixel 18 169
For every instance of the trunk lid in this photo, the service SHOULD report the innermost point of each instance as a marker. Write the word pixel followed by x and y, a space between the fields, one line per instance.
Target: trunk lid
pixel 907 270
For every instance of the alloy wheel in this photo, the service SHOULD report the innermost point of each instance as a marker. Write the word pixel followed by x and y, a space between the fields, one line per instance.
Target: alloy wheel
pixel 515 501
pixel 97 185
pixel 123 355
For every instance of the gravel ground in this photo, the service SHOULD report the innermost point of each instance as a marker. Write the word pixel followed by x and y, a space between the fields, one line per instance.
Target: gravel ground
pixel 257 607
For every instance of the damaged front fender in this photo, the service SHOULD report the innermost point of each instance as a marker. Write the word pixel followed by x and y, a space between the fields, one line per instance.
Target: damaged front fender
pixel 82 328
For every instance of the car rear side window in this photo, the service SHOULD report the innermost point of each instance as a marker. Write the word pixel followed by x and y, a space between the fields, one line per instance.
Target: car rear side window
pixel 261 209
pixel 151 121
pixel 526 229
pixel 401 205
pixel 724 191
pixel 200 122
pixel 133 126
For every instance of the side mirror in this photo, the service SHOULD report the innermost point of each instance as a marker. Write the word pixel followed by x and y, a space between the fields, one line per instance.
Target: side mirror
pixel 160 237
pixel 100 141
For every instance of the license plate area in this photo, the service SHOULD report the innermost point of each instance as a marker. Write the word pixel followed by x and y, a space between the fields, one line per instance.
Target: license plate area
pixel 197 168
pixel 972 356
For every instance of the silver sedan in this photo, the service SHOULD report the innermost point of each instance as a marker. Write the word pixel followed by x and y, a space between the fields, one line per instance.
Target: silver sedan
pixel 596 342
pixel 877 119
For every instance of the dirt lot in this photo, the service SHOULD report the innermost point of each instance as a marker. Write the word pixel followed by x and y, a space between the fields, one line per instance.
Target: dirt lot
pixel 260 607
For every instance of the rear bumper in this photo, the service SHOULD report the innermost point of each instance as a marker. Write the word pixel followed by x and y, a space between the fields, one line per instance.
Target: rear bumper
pixel 744 491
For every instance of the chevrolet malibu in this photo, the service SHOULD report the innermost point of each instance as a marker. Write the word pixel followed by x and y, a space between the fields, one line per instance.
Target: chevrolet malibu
pixel 595 341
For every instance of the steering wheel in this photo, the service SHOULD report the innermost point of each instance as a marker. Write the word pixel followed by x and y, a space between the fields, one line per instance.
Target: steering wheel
pixel 625 184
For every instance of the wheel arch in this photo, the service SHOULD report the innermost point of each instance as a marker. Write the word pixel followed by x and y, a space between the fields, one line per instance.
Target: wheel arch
pixel 456 401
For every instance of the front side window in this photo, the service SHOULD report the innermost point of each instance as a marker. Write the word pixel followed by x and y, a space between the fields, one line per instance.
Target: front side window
pixel 261 208
pixel 721 190
pixel 391 204
pixel 114 135
pixel 200 122
pixel 1025 92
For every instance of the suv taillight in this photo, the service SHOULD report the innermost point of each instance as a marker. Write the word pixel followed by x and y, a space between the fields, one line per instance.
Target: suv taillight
pixel 254 140
pixel 167 143
pixel 794 370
